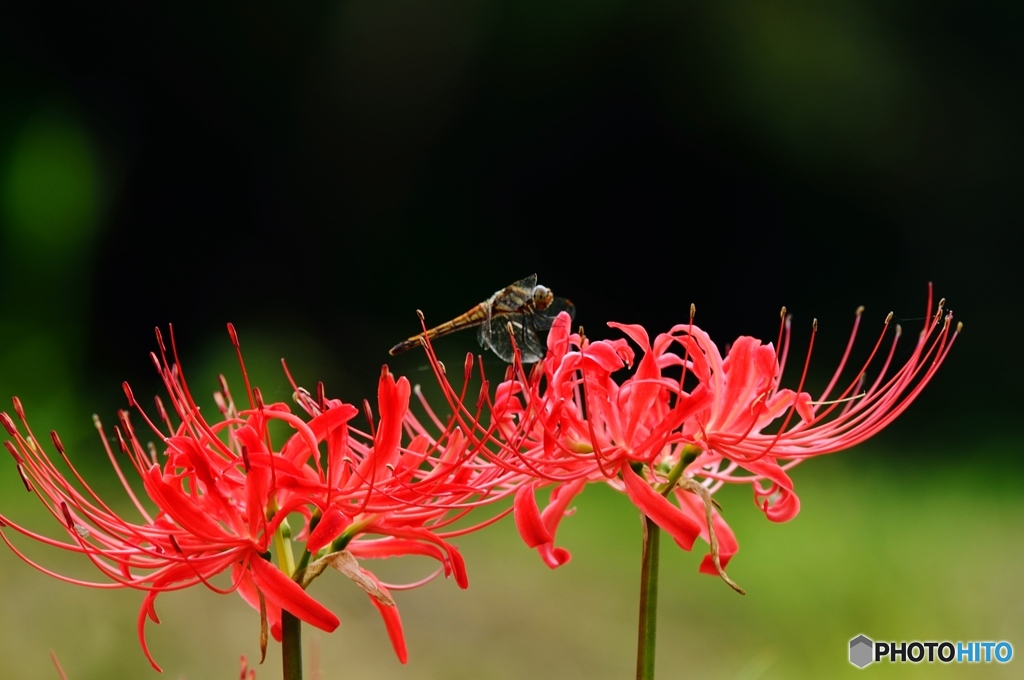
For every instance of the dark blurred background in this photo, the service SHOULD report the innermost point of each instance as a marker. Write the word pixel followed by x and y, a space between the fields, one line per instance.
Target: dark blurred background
pixel 314 172
pixel 321 170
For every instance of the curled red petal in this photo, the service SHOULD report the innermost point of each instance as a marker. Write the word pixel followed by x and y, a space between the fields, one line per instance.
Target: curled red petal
pixel 551 517
pixel 608 355
pixel 636 332
pixel 561 496
pixel 148 611
pixel 728 546
pixel 552 556
pixel 779 502
pixel 454 565
pixel 528 519
pixel 395 547
pixel 393 400
pixel 327 529
pixel 558 336
pixel 392 622
pixel 247 590
pixel 682 528
pixel 288 595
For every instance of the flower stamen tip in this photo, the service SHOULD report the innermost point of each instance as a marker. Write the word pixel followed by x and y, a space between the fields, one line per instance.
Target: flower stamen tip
pixel 67 514
pixel 13 450
pixel 55 438
pixel 174 544
pixel 128 393
pixel 8 424
pixel 24 478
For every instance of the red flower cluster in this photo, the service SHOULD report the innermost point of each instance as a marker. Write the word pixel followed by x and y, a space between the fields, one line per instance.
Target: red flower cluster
pixel 224 494
pixel 687 421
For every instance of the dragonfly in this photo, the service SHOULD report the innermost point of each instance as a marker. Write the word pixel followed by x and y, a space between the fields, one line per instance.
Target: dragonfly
pixel 520 311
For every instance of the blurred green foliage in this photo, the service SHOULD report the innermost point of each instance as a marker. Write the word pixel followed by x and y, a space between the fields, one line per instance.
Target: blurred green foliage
pixel 50 192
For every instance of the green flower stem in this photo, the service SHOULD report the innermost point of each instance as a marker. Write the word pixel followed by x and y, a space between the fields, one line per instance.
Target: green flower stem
pixel 648 601
pixel 291 627
pixel 690 453
pixel 648 629
pixel 291 646
pixel 303 563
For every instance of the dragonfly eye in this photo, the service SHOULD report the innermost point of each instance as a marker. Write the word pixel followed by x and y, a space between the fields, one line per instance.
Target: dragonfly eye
pixel 542 297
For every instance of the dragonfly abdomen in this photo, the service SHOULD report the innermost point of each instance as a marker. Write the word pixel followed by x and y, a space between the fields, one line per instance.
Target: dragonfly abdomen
pixel 474 317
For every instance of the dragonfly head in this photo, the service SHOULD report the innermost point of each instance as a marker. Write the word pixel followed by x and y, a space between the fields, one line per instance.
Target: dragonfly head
pixel 542 298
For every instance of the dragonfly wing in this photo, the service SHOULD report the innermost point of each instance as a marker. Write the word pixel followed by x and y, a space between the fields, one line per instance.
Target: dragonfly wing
pixel 529 283
pixel 514 297
pixel 496 336
pixel 542 320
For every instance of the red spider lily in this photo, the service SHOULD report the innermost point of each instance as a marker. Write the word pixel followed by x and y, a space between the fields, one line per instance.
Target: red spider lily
pixel 730 432
pixel 571 422
pixel 543 430
pixel 223 495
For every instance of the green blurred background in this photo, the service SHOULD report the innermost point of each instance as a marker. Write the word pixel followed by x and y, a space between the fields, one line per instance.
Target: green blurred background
pixel 315 173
